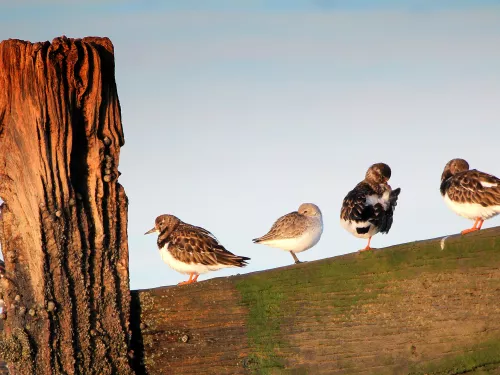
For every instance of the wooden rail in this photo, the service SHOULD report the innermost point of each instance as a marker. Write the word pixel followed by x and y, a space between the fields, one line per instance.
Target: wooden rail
pixel 427 307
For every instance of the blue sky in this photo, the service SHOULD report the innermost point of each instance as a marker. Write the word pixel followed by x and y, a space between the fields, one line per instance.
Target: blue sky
pixel 235 114
pixel 114 6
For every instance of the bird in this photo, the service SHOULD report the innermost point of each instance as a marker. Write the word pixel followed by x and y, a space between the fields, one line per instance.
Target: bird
pixel 192 250
pixel 368 208
pixel 470 193
pixel 295 232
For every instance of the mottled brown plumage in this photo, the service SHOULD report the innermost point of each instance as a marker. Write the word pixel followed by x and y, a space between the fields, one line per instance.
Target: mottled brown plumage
pixel 377 174
pixel 472 194
pixel 465 185
pixel 193 246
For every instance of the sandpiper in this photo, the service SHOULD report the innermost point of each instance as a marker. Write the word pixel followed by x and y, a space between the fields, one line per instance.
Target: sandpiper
pixel 368 208
pixel 470 193
pixel 191 250
pixel 295 232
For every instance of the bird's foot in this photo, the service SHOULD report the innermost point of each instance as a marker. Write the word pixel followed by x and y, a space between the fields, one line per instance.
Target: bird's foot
pixel 192 279
pixel 473 229
pixel 365 249
pixel 187 282
pixel 296 260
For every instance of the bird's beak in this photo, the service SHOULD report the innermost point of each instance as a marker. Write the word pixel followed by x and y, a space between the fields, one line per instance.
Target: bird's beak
pixel 151 231
pixel 446 174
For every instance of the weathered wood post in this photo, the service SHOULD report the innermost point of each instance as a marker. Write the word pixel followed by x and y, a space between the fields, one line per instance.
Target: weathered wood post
pixel 64 221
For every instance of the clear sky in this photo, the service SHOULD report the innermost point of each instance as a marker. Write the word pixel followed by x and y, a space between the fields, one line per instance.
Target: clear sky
pixel 235 112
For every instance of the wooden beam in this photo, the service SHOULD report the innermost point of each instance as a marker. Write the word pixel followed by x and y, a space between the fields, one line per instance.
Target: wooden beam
pixel 427 307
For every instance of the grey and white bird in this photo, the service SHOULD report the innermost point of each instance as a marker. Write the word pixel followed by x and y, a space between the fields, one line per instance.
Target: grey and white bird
pixel 470 193
pixel 191 250
pixel 295 232
pixel 368 208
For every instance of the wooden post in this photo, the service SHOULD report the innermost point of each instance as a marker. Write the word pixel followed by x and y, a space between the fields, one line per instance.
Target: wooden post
pixel 64 220
pixel 428 307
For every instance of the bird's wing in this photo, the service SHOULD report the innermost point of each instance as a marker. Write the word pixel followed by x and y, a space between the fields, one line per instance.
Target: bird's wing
pixel 363 204
pixel 355 207
pixel 288 226
pixel 196 245
pixel 474 187
pixel 384 216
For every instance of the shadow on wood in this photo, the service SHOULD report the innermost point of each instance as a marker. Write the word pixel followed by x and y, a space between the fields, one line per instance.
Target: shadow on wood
pixel 427 307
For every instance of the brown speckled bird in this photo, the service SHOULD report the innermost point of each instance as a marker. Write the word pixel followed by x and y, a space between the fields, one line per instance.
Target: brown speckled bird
pixel 191 250
pixel 470 193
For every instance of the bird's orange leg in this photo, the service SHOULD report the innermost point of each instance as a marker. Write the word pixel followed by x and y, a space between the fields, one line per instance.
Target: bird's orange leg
pixel 367 246
pixel 195 279
pixel 190 280
pixel 481 221
pixel 474 227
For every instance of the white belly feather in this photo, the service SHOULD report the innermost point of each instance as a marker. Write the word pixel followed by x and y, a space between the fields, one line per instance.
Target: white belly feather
pixel 371 200
pixel 472 211
pixel 298 244
pixel 351 226
pixel 185 268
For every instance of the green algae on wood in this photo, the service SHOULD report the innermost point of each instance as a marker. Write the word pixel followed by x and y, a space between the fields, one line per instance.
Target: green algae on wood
pixel 413 308
pixel 342 286
pixel 481 358
pixel 264 319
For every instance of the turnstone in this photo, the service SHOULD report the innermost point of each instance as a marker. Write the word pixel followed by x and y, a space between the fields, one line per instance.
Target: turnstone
pixel 472 194
pixel 368 208
pixel 191 250
pixel 295 232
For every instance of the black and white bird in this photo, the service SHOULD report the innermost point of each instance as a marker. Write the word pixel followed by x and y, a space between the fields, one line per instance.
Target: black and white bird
pixel 470 193
pixel 368 208
pixel 191 250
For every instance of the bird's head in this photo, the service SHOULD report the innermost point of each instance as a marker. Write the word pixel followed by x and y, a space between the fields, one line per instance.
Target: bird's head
pixel 164 225
pixel 309 209
pixel 378 174
pixel 453 167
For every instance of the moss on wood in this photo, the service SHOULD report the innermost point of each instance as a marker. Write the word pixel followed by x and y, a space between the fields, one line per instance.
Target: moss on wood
pixel 428 307
pixel 344 285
